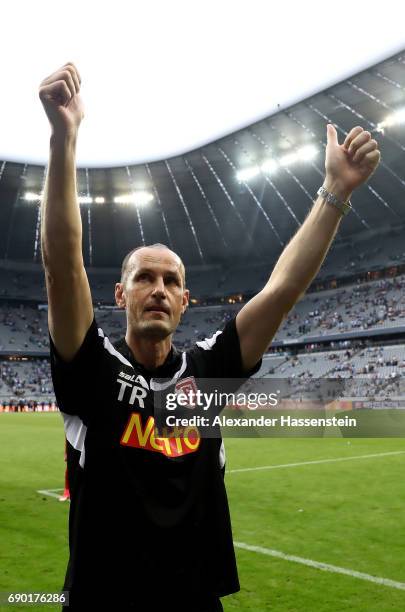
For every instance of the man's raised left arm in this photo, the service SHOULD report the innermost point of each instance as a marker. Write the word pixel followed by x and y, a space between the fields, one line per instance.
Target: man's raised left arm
pixel 347 166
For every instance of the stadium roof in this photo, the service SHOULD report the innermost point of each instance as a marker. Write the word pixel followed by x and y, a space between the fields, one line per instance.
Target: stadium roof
pixel 164 77
pixel 199 206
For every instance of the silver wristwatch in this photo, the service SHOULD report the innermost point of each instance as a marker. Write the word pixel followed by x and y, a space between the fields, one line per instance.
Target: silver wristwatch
pixel 330 198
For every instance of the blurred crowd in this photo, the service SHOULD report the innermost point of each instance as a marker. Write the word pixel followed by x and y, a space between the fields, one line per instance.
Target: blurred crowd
pixel 360 307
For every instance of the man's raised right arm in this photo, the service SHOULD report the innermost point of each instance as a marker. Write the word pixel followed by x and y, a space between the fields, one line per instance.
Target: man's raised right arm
pixel 70 310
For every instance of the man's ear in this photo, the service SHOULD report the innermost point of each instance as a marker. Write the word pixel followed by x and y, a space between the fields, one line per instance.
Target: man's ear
pixel 186 298
pixel 120 295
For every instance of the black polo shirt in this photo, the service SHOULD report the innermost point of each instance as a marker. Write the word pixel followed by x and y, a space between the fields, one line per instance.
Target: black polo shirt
pixel 149 521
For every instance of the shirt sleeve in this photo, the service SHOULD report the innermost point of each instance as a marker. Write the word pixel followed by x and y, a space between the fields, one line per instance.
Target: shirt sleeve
pixel 77 383
pixel 221 356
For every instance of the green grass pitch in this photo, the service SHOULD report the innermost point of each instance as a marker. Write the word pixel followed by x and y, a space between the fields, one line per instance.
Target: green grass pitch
pixel 348 514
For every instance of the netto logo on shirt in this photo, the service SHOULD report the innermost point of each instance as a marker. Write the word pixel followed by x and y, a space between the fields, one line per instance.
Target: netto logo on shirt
pixel 187 439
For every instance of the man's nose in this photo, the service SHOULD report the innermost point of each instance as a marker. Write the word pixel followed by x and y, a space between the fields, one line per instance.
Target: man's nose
pixel 159 289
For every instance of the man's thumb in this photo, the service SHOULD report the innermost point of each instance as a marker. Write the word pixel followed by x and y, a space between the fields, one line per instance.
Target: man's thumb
pixel 331 134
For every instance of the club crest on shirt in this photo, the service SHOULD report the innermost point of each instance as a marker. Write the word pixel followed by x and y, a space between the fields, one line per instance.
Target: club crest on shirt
pixel 188 387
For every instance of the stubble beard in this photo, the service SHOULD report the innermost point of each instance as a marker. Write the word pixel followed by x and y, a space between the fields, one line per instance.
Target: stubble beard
pixel 150 329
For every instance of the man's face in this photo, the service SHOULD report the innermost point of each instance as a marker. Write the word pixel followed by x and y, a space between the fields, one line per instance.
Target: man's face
pixel 153 293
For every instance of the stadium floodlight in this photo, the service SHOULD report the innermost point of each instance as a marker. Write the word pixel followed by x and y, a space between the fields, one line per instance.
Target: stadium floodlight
pixel 139 198
pixel 399 116
pixel 395 119
pixel 386 123
pixel 288 159
pixel 307 152
pixel 85 200
pixel 99 200
pixel 124 199
pixel 32 197
pixel 247 173
pixel 142 197
pixel 380 126
pixel 269 166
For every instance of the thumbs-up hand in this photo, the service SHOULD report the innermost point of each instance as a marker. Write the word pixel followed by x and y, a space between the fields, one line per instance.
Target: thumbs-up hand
pixel 350 164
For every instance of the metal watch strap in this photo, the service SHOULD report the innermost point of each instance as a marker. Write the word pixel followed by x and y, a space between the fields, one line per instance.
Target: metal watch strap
pixel 330 198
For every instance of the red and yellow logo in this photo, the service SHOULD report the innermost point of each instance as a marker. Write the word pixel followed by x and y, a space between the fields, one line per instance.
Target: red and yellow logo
pixel 187 386
pixel 182 440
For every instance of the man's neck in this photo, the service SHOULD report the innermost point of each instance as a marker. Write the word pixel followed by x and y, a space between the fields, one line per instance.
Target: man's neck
pixel 149 352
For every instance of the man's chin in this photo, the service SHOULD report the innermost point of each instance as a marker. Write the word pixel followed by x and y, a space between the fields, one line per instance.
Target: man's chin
pixel 158 330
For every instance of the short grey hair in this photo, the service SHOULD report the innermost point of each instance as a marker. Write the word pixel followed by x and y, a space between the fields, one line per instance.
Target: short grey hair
pixel 156 245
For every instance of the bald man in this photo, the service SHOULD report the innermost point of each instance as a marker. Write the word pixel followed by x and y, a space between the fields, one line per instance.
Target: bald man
pixel 160 538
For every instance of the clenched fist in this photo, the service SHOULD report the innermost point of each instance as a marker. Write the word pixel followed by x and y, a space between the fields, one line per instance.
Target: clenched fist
pixel 59 94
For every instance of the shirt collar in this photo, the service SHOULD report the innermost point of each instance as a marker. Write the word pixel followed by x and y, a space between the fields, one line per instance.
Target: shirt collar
pixel 172 360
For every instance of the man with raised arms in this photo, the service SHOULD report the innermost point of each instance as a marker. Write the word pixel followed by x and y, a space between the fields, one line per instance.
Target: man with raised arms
pixel 160 538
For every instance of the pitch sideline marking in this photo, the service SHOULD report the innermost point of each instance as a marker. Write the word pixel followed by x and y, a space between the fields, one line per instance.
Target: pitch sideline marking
pixel 286 465
pixel 326 567
pixel 309 562
pixel 50 492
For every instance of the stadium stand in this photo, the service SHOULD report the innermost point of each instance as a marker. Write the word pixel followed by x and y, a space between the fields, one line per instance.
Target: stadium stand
pixel 298 351
pixel 351 323
pixel 368 306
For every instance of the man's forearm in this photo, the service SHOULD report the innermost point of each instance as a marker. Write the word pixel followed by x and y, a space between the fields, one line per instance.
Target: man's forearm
pixel 61 233
pixel 347 166
pixel 300 261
